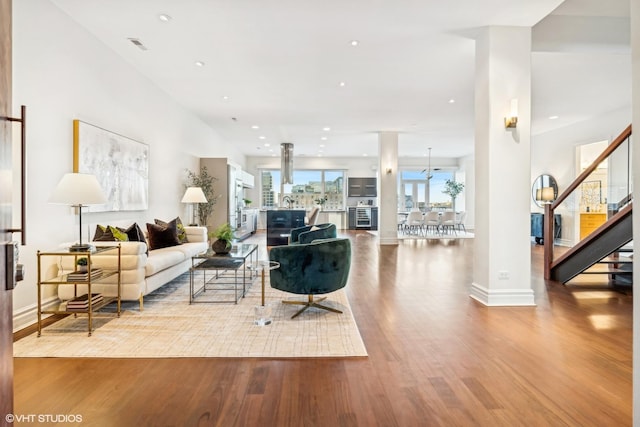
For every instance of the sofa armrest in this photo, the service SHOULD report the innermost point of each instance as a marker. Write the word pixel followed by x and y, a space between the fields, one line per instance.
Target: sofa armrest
pixel 196 234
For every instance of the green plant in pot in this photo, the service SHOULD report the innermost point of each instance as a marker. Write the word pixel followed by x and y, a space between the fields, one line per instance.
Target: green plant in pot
pixel 223 236
pixel 82 264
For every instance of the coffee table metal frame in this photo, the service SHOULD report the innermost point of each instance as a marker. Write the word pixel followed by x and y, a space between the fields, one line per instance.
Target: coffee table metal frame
pixel 228 270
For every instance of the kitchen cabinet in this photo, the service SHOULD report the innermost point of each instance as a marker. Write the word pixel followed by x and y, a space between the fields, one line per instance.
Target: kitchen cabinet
pixel 362 187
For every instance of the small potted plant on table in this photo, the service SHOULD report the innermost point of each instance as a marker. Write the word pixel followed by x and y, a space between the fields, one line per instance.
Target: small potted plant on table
pixel 224 236
pixel 82 264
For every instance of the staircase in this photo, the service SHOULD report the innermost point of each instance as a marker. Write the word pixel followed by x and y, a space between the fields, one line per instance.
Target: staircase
pixel 607 252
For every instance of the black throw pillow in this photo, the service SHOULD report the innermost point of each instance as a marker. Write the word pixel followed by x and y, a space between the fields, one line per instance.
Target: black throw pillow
pixel 162 237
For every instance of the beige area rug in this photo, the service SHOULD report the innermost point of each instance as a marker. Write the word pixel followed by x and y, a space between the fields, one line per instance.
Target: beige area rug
pixel 170 327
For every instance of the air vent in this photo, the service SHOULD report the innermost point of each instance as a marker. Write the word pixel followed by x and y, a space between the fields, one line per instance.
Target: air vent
pixel 138 43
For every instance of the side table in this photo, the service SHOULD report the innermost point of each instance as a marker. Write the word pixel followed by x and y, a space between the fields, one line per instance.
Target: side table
pixel 263 315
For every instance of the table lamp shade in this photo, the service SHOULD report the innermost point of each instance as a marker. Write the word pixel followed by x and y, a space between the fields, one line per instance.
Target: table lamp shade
pixel 547 194
pixel 78 189
pixel 194 195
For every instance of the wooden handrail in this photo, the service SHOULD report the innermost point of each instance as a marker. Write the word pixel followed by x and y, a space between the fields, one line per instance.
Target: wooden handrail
pixel 549 209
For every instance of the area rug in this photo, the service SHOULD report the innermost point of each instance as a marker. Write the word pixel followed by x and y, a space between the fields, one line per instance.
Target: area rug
pixel 171 327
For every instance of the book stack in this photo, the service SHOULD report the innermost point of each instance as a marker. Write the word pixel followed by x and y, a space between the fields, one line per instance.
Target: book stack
pixel 83 276
pixel 82 302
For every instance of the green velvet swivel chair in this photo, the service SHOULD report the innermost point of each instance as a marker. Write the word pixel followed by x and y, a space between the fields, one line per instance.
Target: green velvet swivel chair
pixel 316 268
pixel 309 233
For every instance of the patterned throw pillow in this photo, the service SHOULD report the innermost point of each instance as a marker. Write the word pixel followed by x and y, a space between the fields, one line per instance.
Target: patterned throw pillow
pixel 182 233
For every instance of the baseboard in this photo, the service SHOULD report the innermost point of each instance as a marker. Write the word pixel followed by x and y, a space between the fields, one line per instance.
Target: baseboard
pixel 28 315
pixel 502 297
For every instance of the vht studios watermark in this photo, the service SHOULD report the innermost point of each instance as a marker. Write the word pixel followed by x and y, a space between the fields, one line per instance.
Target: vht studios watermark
pixel 43 418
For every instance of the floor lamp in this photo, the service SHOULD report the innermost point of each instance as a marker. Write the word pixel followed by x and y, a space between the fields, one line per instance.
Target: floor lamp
pixel 78 190
pixel 194 195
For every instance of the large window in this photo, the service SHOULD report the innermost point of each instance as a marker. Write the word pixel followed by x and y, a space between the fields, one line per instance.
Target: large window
pixel 311 187
pixel 416 191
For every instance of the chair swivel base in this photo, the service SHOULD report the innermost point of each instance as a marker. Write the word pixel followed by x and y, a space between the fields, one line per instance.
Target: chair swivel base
pixel 310 303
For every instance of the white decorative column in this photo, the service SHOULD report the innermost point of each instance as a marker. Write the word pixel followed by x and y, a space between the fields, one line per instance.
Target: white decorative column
pixel 388 188
pixel 502 255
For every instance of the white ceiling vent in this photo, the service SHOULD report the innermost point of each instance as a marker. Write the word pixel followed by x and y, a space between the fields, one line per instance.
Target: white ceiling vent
pixel 137 43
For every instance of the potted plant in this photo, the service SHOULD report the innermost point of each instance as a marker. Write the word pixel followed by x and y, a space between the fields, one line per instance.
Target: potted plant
pixel 204 181
pixel 453 188
pixel 224 236
pixel 82 264
pixel 247 202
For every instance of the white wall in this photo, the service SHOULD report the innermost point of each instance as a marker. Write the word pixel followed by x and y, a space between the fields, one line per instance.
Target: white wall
pixel 62 73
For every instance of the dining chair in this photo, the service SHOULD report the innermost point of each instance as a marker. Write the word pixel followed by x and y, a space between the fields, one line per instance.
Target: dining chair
pixel 449 222
pixel 432 221
pixel 460 217
pixel 415 222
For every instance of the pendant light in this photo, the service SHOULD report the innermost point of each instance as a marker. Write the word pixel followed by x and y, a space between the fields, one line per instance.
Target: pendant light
pixel 286 159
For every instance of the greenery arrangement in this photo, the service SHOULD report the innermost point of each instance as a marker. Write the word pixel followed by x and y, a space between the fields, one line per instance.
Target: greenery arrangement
pixel 247 202
pixel 224 234
pixel 82 261
pixel 453 188
pixel 204 181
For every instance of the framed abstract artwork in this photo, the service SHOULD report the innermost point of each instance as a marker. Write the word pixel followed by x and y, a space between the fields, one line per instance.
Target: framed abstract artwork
pixel 120 164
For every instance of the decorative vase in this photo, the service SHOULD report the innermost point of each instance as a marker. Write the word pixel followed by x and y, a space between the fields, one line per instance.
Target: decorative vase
pixel 221 247
pixel 82 268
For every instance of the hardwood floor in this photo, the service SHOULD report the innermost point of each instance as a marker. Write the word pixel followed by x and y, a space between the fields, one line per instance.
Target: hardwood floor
pixel 436 358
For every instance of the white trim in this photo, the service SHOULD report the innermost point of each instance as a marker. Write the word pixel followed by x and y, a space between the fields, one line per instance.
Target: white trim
pixel 27 316
pixel 388 241
pixel 502 297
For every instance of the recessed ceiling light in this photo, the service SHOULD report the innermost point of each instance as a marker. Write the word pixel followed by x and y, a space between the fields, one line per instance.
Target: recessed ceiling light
pixel 321 145
pixel 255 127
pixel 225 97
pixel 199 63
pixel 452 101
pixel 553 117
pixel 364 155
pixel 164 17
pixel 319 155
pixel 266 144
pixel 342 84
pixel 262 137
pixel 326 129
pixel 324 138
pixel 354 42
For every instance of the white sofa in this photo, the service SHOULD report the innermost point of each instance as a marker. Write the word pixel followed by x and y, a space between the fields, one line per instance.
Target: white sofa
pixel 141 274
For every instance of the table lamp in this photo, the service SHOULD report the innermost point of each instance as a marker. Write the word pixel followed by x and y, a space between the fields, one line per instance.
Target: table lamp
pixel 78 190
pixel 194 195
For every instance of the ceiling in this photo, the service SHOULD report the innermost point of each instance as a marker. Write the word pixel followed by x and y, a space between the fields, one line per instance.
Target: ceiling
pixel 289 67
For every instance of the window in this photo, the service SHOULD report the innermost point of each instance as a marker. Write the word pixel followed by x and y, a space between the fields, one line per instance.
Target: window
pixel 415 191
pixel 311 187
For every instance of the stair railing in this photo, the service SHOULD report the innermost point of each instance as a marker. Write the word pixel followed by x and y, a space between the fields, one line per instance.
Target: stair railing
pixel 580 197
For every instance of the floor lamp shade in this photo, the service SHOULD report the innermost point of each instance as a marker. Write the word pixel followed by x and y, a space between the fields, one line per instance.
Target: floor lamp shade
pixel 78 189
pixel 194 195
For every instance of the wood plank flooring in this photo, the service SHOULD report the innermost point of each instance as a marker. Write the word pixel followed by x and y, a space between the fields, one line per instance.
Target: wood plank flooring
pixel 436 358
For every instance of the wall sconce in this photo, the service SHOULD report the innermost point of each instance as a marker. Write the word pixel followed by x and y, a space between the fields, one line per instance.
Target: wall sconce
pixel 389 171
pixel 512 120
pixel 286 162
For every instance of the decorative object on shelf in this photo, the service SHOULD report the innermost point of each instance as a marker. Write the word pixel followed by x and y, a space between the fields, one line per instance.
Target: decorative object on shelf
pixel 79 190
pixel 194 195
pixel 120 164
pixel 453 189
pixel 247 202
pixel 286 159
pixel 224 236
pixel 205 182
pixel 82 264
pixel 321 201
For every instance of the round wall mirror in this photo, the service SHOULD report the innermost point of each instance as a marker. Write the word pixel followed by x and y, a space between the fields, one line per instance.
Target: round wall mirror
pixel 544 190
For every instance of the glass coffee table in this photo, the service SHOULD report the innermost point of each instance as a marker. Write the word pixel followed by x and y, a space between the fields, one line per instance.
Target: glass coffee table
pixel 227 272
